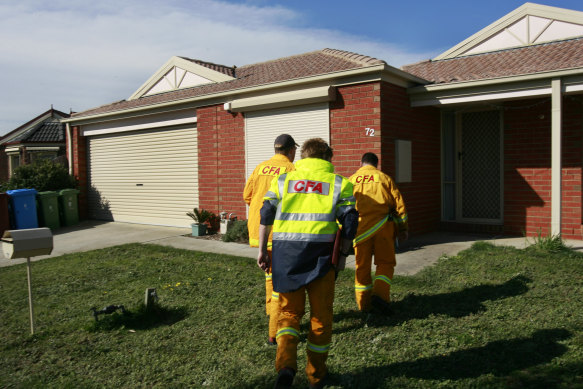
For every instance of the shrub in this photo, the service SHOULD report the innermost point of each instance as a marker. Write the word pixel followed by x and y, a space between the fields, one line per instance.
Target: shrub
pixel 42 176
pixel 549 243
pixel 237 233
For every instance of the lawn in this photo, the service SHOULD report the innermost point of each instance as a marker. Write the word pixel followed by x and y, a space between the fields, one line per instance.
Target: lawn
pixel 490 317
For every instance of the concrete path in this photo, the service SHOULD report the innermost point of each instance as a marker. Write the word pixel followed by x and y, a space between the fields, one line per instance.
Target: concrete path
pixel 412 256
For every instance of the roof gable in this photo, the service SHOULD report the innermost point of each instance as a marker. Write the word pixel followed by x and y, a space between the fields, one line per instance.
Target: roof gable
pixel 530 24
pixel 46 127
pixel 179 73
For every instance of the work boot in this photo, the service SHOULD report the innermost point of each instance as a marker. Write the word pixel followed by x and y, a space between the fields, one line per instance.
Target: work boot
pixel 381 306
pixel 285 378
pixel 320 384
pixel 272 342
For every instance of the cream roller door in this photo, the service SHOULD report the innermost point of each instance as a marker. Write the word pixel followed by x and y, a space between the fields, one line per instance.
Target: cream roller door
pixel 148 176
pixel 302 122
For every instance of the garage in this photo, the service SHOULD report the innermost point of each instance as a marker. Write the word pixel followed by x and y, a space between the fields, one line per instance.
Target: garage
pixel 302 122
pixel 143 176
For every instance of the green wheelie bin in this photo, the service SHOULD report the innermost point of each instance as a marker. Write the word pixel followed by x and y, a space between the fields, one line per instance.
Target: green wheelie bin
pixel 48 209
pixel 69 207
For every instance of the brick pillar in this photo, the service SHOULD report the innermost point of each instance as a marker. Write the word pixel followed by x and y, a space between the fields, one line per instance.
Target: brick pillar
pixel 79 164
pixel 221 153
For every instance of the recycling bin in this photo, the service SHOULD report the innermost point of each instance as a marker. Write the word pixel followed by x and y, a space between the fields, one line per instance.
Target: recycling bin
pixel 69 207
pixel 49 209
pixel 23 203
pixel 4 213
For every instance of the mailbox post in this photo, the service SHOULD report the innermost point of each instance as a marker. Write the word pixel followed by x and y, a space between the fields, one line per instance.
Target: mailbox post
pixel 26 244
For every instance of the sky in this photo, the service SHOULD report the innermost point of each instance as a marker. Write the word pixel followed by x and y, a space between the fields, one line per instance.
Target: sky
pixel 80 54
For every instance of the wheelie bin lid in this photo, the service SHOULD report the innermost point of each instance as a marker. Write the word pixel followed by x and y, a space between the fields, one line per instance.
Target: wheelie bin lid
pixel 69 191
pixel 48 193
pixel 21 192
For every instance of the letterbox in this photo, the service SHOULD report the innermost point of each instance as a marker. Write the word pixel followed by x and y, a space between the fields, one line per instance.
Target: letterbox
pixel 27 243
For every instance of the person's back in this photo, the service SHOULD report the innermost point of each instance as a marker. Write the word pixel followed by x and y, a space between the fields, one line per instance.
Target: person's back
pixel 255 188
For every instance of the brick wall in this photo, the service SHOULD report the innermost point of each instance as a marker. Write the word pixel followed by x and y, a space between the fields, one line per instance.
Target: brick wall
pixel 79 165
pixel 421 126
pixel 221 169
pixel 356 108
pixel 527 167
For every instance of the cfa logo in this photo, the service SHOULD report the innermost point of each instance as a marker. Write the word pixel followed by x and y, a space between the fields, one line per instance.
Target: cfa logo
pixel 267 170
pixel 308 186
pixel 366 179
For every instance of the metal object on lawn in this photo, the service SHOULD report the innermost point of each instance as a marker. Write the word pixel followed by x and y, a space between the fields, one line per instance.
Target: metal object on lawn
pixel 107 310
pixel 151 297
pixel 227 221
pixel 26 244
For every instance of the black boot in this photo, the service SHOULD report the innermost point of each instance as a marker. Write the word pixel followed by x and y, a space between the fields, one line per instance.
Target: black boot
pixel 285 378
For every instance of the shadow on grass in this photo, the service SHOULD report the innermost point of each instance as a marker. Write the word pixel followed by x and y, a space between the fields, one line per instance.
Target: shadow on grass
pixel 453 304
pixel 499 358
pixel 140 319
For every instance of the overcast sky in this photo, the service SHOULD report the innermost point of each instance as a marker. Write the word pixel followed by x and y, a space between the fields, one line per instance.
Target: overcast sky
pixel 79 54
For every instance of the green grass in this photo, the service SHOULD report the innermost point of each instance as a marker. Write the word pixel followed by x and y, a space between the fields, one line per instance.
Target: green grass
pixel 490 317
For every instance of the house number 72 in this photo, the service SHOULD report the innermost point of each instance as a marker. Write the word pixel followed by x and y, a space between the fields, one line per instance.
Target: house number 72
pixel 369 131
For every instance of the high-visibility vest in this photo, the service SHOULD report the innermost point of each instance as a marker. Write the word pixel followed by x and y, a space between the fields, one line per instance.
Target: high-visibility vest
pixel 308 202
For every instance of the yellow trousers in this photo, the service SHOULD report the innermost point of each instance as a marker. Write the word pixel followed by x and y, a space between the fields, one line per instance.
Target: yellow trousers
pixel 292 308
pixel 382 246
pixel 271 302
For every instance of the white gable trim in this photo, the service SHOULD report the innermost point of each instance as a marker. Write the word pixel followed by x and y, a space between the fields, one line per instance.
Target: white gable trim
pixel 508 29
pixel 179 70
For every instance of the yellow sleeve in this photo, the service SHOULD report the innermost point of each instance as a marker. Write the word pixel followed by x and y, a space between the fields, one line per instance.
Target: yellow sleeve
pixel 248 191
pixel 399 212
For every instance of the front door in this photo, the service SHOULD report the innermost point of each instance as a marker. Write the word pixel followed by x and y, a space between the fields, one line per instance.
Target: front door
pixel 479 167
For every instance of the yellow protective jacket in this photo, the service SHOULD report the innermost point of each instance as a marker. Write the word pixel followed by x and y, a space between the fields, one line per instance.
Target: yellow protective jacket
pixel 378 201
pixel 255 188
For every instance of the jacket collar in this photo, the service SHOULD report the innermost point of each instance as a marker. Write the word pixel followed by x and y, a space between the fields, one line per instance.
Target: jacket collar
pixel 314 164
pixel 367 168
pixel 280 158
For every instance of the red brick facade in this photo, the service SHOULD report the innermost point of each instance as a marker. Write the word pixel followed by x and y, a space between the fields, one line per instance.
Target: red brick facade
pixel 421 126
pixel 356 108
pixel 527 167
pixel 221 153
pixel 79 143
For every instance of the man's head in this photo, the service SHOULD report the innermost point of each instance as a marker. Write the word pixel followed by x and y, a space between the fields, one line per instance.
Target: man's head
pixel 369 159
pixel 317 148
pixel 286 145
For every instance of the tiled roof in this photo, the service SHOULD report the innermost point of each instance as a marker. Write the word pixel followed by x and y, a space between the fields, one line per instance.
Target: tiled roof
pixel 282 69
pixel 229 71
pixel 50 130
pixel 513 62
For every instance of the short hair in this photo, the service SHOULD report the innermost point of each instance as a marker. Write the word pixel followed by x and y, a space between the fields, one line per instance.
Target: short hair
pixel 370 159
pixel 317 148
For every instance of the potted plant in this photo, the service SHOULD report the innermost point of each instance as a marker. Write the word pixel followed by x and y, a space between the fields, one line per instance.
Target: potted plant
pixel 200 218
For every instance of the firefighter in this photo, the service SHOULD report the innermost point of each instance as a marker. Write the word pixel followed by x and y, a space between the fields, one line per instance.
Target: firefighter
pixel 382 216
pixel 255 188
pixel 304 207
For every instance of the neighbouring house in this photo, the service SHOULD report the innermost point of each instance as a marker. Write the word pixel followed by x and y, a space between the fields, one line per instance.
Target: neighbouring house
pixel 486 137
pixel 41 138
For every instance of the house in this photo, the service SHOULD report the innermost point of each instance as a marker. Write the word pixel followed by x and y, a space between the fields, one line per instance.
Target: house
pixel 41 138
pixel 485 137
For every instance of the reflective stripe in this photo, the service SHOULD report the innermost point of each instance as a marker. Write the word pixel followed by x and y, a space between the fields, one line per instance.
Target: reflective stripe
pixel 281 184
pixel 275 295
pixel 371 231
pixel 287 331
pixel 383 278
pixel 402 219
pixel 362 288
pixel 318 349
pixel 255 243
pixel 268 276
pixel 337 190
pixel 304 237
pixel 269 195
pixel 314 217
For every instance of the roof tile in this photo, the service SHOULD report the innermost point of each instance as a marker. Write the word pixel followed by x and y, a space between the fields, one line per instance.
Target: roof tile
pixel 513 62
pixel 278 70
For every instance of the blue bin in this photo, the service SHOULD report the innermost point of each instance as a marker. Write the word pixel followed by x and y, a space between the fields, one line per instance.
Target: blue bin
pixel 23 202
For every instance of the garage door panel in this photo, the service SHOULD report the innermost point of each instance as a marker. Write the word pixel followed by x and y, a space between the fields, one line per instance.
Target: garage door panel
pixel 148 176
pixel 302 122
